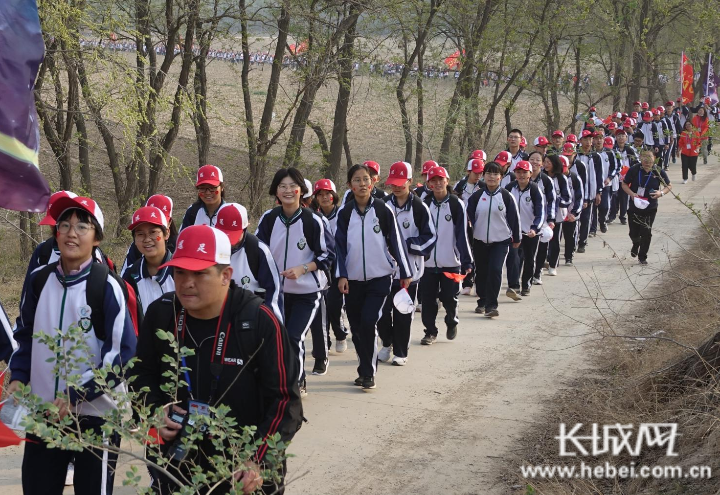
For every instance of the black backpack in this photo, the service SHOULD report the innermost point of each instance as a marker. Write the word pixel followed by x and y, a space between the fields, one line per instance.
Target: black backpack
pixel 95 294
pixel 191 214
pixel 252 248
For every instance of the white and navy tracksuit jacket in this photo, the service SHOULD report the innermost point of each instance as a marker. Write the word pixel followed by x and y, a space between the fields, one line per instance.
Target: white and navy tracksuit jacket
pixel 610 165
pixel 494 216
pixel 422 192
pixel 564 197
pixel 593 177
pixel 364 251
pixel 268 275
pixel 417 231
pixel 148 287
pixel 305 240
pixel 7 342
pixel 452 249
pixel 519 156
pixel 507 179
pixel 376 193
pixel 63 302
pixel 651 130
pixel 197 214
pixel 531 206
pixel 575 189
pixel 547 188
pixel 464 189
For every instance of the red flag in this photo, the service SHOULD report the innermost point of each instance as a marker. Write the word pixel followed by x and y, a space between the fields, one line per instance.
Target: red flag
pixel 688 74
pixel 453 61
pixel 456 277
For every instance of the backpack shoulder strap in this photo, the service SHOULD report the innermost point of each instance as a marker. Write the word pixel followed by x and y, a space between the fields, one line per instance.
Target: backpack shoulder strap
pixel 246 321
pixel 95 296
pixel 455 208
pixel 191 214
pixel 252 254
pixel 418 209
pixel 44 252
pixel 41 277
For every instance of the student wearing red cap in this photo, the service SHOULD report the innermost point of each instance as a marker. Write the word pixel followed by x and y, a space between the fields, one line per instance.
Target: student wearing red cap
pixel 531 210
pixel 418 233
pixel 369 251
pixel 504 159
pixel 591 179
pixel 422 191
pixel 56 299
pixel 304 251
pixel 450 255
pixel 554 169
pixel 165 203
pixel 569 225
pixel 211 195
pixel 636 107
pixel 651 132
pixel 465 188
pixel 374 168
pixel 610 164
pixel 547 188
pixel 150 232
pixel 541 144
pixel 241 360
pixel 514 138
pixel 557 138
pixel 627 157
pixel 326 200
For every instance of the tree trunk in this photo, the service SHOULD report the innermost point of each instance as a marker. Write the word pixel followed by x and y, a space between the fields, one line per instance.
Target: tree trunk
pixel 322 140
pixel 348 157
pixel 420 138
pixel 200 121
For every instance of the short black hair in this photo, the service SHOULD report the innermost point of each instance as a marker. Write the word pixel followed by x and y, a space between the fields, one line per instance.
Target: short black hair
pixel 294 174
pixel 82 216
pixel 493 168
pixel 515 130
pixel 357 167
pixel 557 166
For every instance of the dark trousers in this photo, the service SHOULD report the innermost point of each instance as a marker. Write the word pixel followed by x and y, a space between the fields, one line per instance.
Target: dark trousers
pixel 641 222
pixel 335 305
pixel 666 156
pixel 553 249
pixel 619 204
pixel 688 163
pixel 525 258
pixel 364 304
pixel 489 262
pixel 300 312
pixel 570 232
pixel 512 265
pixel 469 279
pixel 593 217
pixel 584 225
pixel 541 258
pixel 394 326
pixel 319 329
pixel 604 208
pixel 44 469
pixel 434 285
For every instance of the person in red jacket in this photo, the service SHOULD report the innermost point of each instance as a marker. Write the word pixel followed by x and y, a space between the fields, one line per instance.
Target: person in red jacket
pixel 689 144
pixel 702 123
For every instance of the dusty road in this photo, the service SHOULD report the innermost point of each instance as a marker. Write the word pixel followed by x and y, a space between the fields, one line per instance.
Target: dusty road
pixel 445 422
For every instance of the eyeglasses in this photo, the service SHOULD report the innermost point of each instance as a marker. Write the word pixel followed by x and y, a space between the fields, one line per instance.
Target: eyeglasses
pixel 362 180
pixel 154 233
pixel 287 187
pixel 80 228
pixel 206 190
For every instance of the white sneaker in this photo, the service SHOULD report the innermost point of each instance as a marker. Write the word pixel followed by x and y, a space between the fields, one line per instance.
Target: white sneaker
pixel 384 354
pixel 685 181
pixel 537 281
pixel 693 177
pixel 341 346
pixel 398 361
pixel 465 291
pixel 70 475
pixel 552 271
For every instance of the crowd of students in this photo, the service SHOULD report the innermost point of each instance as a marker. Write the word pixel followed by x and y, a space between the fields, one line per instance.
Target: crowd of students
pixel 369 257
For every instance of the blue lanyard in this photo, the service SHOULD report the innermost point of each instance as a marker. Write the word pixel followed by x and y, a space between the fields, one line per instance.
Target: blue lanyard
pixel 646 180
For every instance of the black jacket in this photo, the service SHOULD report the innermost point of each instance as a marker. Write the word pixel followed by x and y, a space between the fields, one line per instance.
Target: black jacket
pixel 265 394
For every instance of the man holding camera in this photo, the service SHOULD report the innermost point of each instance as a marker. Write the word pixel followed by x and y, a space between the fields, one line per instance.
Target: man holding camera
pixel 241 360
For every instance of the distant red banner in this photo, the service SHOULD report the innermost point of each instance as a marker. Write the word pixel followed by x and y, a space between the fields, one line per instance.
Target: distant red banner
pixel 688 93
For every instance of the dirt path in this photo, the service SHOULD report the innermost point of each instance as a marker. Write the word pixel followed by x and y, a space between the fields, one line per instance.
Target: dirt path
pixel 445 422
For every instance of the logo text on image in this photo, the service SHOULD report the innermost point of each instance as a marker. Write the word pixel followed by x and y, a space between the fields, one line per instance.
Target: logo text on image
pixel 613 439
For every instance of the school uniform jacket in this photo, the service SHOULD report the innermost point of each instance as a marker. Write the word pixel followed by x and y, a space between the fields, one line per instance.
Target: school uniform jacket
pixel 376 193
pixel 592 179
pixel 418 235
pixel 564 197
pixel 531 206
pixel 452 249
pixel 652 134
pixel 202 217
pixel 148 287
pixel 519 156
pixel 610 165
pixel 507 178
pixel 268 275
pixel 295 241
pixel 422 192
pixel 62 302
pixel 465 189
pixel 331 219
pixel 575 188
pixel 7 342
pixel 364 251
pixel 494 216
pixel 547 188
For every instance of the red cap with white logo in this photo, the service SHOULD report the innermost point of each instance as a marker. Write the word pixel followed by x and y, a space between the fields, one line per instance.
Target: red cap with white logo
pixel 148 214
pixel 541 141
pixel 585 133
pixel 48 220
pixel 503 158
pixel 79 202
pixel 523 165
pixel 571 138
pixel 565 163
pixel 645 105
pixel 232 219
pixel 637 103
pixel 634 115
pixel 479 154
pixel 429 165
pixel 400 172
pixel 523 142
pixel 598 134
pixel 476 165
pixel 568 149
pixel 324 185
pixel 373 166
pixel 612 126
pixel 209 174
pixel 438 172
pixel 647 116
pixel 200 247
pixel 165 203
pixel 558 133
pixel 608 142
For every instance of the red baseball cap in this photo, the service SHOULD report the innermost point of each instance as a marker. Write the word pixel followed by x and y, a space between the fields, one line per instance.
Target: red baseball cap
pixel 598 134
pixel 209 174
pixel 636 103
pixel 439 172
pixel 324 185
pixel 541 141
pixel 571 138
pixel 647 116
pixel 165 203
pixel 679 100
pixel 400 172
pixel 669 103
pixel 476 165
pixel 612 126
pixel 661 109
pixel 200 247
pixel 503 158
pixel 655 111
pixel 592 109
pixel 480 154
pixel 49 220
pixel 585 133
pixel 78 202
pixel 523 142
pixel 523 165
pixel 373 166
pixel 645 105
pixel 707 100
pixel 568 149
pixel 634 115
pixel 148 214
pixel 608 142
pixel 620 131
pixel 428 165
pixel 558 133
pixel 565 163
pixel 232 219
